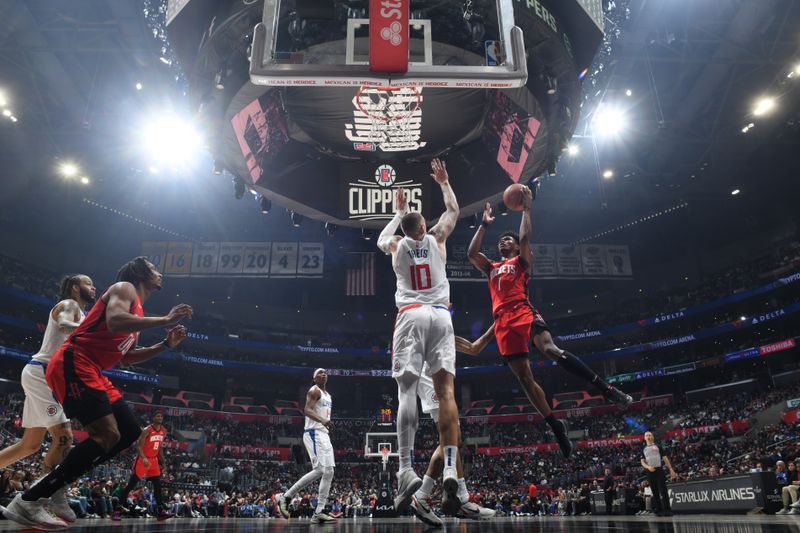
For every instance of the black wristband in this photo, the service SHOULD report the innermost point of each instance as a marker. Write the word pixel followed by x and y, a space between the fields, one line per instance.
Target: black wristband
pixel 485 225
pixel 166 345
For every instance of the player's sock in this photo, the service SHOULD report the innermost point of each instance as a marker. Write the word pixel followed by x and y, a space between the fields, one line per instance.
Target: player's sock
pixel 575 366
pixel 406 458
pixel 463 494
pixel 450 454
pixel 427 487
pixel 80 459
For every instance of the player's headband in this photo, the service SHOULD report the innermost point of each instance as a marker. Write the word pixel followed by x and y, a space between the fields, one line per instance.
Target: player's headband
pixel 317 371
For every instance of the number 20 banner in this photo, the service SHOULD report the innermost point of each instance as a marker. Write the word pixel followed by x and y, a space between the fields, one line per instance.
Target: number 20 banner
pixel 237 259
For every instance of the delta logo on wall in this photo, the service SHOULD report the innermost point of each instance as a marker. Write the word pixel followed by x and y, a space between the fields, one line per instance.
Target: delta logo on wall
pixel 374 199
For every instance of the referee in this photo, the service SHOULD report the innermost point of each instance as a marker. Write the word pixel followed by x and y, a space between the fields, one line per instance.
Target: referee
pixel 653 462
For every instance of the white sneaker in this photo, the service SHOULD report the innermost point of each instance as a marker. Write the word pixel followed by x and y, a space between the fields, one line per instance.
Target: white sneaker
pixel 282 506
pixel 795 505
pixel 422 508
pixel 32 514
pixel 322 518
pixel 59 506
pixel 450 502
pixel 475 512
pixel 783 511
pixel 794 511
pixel 407 484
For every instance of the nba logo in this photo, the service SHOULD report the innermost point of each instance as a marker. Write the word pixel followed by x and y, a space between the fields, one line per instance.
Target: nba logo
pixel 385 175
pixel 494 53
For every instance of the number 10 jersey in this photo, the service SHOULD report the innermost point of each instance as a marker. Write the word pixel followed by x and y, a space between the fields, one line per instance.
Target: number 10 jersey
pixel 421 274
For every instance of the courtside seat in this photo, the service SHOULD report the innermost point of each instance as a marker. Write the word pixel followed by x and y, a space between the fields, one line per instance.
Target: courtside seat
pixel 477 411
pixel 172 401
pixel 228 408
pixel 258 410
pixel 482 403
pixel 205 398
pixel 242 400
pixel 507 410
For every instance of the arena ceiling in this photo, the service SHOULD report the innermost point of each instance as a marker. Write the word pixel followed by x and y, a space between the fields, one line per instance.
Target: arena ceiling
pixel 694 69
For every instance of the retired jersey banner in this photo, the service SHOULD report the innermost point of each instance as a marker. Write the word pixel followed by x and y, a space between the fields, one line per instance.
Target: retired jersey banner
pixel 550 261
pixel 237 259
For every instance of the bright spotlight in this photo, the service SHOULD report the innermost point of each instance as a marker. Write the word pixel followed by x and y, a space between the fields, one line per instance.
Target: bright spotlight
pixel 764 106
pixel 138 86
pixel 3 101
pixel 171 141
pixel 6 112
pixel 13 118
pixel 628 93
pixel 69 170
pixel 573 149
pixel 85 180
pixel 734 192
pixel 153 170
pixel 608 121
pixel 608 174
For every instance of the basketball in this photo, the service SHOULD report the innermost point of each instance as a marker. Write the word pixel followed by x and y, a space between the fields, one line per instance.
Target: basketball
pixel 513 196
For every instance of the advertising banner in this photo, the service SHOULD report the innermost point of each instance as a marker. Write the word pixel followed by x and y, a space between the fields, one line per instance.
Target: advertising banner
pixel 726 494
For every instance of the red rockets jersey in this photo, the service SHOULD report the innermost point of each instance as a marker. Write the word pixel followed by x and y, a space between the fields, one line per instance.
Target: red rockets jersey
pixel 508 283
pixel 95 341
pixel 153 441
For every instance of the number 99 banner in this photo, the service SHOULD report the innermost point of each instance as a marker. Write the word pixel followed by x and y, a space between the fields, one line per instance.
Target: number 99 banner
pixel 237 259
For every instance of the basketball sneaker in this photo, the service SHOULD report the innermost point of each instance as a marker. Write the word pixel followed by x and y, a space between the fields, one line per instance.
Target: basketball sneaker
pixel 60 507
pixel 475 512
pixel 282 507
pixel 407 484
pixel 618 397
pixel 450 502
pixel 33 514
pixel 424 511
pixel 322 518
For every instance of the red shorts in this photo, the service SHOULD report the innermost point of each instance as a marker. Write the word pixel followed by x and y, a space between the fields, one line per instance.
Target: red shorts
pixel 78 385
pixel 515 326
pixel 140 471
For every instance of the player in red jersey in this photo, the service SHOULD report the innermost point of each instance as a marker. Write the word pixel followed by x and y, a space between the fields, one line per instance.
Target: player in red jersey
pixel 148 464
pixel 106 337
pixel 517 322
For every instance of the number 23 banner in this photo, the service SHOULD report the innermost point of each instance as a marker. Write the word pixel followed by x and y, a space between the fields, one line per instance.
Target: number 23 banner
pixel 237 259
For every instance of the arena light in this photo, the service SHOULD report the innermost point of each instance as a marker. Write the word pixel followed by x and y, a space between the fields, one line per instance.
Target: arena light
pixel 265 204
pixel 171 140
pixel 734 192
pixel 366 234
pixel 764 106
pixel 6 112
pixel 609 121
pixel 85 180
pixel 628 92
pixel 68 170
pixel 608 174
pixel 297 219
pixel 138 86
pixel 330 229
pixel 573 150
pixel 3 100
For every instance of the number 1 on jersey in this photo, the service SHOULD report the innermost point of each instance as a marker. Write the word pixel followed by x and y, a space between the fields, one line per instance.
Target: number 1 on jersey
pixel 420 277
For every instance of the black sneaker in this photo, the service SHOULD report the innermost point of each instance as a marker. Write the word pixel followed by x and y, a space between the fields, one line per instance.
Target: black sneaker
pixel 560 431
pixel 618 397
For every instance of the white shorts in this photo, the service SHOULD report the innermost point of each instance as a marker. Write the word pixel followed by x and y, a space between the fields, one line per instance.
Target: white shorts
pixel 423 334
pixel 319 448
pixel 427 396
pixel 41 409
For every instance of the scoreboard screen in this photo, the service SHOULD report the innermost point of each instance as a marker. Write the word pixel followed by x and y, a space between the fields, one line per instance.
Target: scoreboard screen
pixel 385 416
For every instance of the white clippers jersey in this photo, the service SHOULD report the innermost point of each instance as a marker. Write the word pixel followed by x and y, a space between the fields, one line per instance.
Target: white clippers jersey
pixel 323 410
pixel 421 273
pixel 54 337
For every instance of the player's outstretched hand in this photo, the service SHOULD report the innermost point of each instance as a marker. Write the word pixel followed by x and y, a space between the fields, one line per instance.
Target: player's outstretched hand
pixel 527 198
pixel 439 171
pixel 175 336
pixel 178 313
pixel 487 213
pixel 465 346
pixel 400 200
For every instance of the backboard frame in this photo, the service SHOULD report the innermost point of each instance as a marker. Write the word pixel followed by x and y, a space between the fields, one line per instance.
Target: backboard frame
pixel 265 71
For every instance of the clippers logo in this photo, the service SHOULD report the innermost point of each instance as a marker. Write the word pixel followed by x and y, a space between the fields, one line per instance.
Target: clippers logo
pixel 368 200
pixel 392 33
pixel 52 410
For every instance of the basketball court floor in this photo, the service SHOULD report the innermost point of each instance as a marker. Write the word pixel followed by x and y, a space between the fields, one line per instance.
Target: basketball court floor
pixel 622 524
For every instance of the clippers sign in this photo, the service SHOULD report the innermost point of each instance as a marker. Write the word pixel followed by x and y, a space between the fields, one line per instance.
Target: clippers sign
pixel 374 200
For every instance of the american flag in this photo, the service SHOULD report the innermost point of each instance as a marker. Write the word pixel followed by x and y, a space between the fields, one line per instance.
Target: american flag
pixel 360 274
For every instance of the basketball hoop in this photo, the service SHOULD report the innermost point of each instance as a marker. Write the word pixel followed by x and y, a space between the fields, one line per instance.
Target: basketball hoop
pixel 385 456
pixel 393 114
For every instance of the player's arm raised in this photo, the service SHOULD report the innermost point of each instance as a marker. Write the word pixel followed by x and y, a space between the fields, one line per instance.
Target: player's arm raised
pixel 447 222
pixel 119 318
pixel 175 336
pixel 387 241
pixel 475 348
pixel 478 260
pixel 67 315
pixel 525 252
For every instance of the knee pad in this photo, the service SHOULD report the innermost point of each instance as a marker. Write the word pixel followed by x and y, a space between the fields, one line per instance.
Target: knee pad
pixel 129 429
